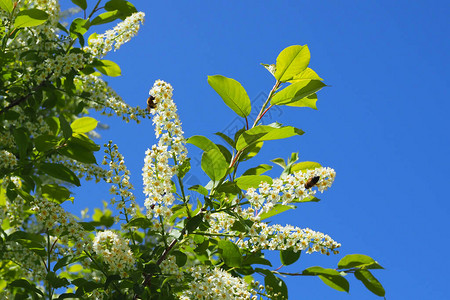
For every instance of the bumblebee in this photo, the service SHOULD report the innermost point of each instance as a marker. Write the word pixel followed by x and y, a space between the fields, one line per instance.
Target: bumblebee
pixel 150 103
pixel 312 182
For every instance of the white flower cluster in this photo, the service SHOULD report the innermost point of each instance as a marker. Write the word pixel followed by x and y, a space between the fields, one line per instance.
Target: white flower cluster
pixel 36 127
pixel 104 98
pixel 7 160
pixel 82 170
pixel 61 65
pixel 62 224
pixel 28 263
pixel 216 284
pixel 157 172
pixel 115 251
pixel 289 188
pixel 119 175
pixel 101 44
pixel 170 267
pixel 277 237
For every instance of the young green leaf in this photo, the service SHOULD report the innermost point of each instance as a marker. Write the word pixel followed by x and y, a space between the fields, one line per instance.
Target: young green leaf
pixel 230 253
pixel 247 181
pixel 305 75
pixel 277 209
pixel 358 261
pixel 214 164
pixel 108 67
pixel 106 17
pixel 371 283
pixel 296 92
pixel 199 189
pixel 232 93
pixel 30 18
pixel 202 142
pixel 7 5
pixel 309 101
pixel 291 61
pixel 83 125
pixel 226 139
pixel 305 165
pixel 258 170
pixel 330 277
pixel 265 133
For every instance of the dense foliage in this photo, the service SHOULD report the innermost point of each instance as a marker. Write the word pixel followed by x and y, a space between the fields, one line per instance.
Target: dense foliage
pixel 172 245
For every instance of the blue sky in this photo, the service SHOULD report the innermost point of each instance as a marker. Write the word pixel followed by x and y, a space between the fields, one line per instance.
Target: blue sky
pixel 382 123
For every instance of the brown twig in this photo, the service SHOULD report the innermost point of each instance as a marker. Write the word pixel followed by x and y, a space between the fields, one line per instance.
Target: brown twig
pixel 21 99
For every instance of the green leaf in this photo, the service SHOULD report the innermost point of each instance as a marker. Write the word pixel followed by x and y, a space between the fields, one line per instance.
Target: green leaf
pixel 277 209
pixel 371 283
pixel 83 125
pixel 184 168
pixel 21 138
pixel 78 152
pixel 232 93
pixel 66 129
pixel 194 222
pixel 309 101
pixel 46 142
pixel 199 189
pixel 289 256
pixel 265 133
pixel 251 151
pixel 256 258
pixel 107 67
pixel 124 7
pixel 202 142
pixel 305 75
pixel 214 164
pixel 81 3
pixel 60 172
pixel 295 93
pixel 279 161
pixel 230 253
pixel 258 170
pixel 55 192
pixel 180 257
pixel 338 283
pixel 308 199
pixel 276 287
pixel 83 140
pixel 141 222
pixel 30 18
pixel 316 270
pixel 291 61
pixel 330 277
pixel 78 28
pixel 247 181
pixel 358 261
pixel 305 165
pixel 7 5
pixel 55 281
pixel 226 139
pixel 106 17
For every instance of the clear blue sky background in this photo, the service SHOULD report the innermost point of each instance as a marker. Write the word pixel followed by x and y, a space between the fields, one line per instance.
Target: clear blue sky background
pixel 383 123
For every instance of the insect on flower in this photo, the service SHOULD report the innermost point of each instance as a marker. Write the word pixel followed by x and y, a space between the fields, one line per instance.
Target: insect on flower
pixel 312 182
pixel 150 103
